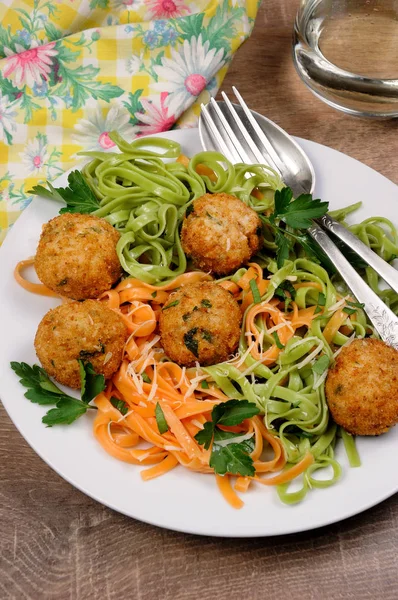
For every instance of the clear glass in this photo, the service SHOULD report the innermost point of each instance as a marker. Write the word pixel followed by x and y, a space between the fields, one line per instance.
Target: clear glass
pixel 346 51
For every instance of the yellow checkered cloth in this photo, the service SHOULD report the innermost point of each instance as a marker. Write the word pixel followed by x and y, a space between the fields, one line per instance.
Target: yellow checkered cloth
pixel 73 70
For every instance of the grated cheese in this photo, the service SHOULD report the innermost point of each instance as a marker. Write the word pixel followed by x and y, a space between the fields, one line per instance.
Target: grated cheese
pixel 236 440
pixel 348 342
pixel 183 371
pixel 154 384
pixel 338 304
pixel 108 357
pixel 320 380
pixel 311 356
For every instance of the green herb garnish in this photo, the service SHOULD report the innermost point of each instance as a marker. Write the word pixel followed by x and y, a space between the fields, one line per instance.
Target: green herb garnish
pixel 160 419
pixel 321 299
pixel 146 378
pixel 190 342
pixel 297 213
pixel 171 304
pixel 206 303
pixel 78 196
pixel 235 457
pixel 283 248
pixel 206 335
pixel 277 340
pixel 41 390
pixel 204 385
pixel 349 311
pixel 356 304
pixel 280 292
pixel 121 406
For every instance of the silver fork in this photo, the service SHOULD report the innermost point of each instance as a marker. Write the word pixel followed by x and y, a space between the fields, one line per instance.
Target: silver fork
pixel 235 132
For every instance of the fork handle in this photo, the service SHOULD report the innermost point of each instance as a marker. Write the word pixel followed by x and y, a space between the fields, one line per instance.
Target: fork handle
pixel 382 318
pixel 386 271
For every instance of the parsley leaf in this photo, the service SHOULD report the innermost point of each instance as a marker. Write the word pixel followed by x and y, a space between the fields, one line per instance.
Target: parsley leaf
pixel 78 196
pixel 160 419
pixel 92 384
pixel 282 200
pixel 233 412
pixel 349 311
pixel 320 366
pixel 204 385
pixel 283 247
pixel 321 299
pixel 356 304
pixel 206 303
pixel 234 457
pixel 205 435
pixel 277 340
pixel 190 342
pixel 121 405
pixel 41 390
pixel 298 213
pixel 68 410
pixel 171 305
pixel 280 292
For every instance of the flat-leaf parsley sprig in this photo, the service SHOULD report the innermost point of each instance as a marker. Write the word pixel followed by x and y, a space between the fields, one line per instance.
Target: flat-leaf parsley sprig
pixel 78 195
pixel 297 215
pixel 41 390
pixel 229 452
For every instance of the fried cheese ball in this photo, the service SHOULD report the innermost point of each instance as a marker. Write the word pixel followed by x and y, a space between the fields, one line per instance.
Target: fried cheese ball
pixel 200 322
pixel 87 331
pixel 220 233
pixel 362 387
pixel 76 256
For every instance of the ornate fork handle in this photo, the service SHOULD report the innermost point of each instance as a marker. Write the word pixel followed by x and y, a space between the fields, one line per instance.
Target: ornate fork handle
pixel 383 319
pixel 386 271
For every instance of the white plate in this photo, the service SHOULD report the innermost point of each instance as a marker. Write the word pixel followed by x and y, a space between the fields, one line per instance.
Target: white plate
pixel 182 500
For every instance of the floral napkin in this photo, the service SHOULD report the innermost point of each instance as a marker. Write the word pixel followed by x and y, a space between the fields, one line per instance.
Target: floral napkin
pixel 73 70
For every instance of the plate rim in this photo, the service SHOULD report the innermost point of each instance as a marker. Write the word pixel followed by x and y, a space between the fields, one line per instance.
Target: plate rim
pixel 365 505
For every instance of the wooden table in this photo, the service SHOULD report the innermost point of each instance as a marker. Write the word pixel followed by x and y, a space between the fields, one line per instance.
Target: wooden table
pixel 55 543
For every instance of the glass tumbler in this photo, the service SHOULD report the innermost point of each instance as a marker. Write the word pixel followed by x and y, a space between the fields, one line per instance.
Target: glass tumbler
pixel 346 51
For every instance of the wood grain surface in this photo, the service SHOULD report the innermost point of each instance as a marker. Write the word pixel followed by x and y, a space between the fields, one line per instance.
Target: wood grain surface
pixel 55 543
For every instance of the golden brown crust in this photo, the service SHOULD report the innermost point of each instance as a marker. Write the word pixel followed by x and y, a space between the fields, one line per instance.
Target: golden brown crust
pixel 203 325
pixel 362 387
pixel 76 256
pixel 221 233
pixel 89 331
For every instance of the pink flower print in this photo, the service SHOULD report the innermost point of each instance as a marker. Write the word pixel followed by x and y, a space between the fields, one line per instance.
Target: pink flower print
pixel 157 116
pixel 105 141
pixel 166 9
pixel 35 155
pixel 188 71
pixel 29 66
pixel 195 84
pixel 93 132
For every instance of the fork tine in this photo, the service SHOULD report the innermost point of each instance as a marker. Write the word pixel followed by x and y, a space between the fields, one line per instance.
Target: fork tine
pixel 267 147
pixel 214 133
pixel 260 157
pixel 236 149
